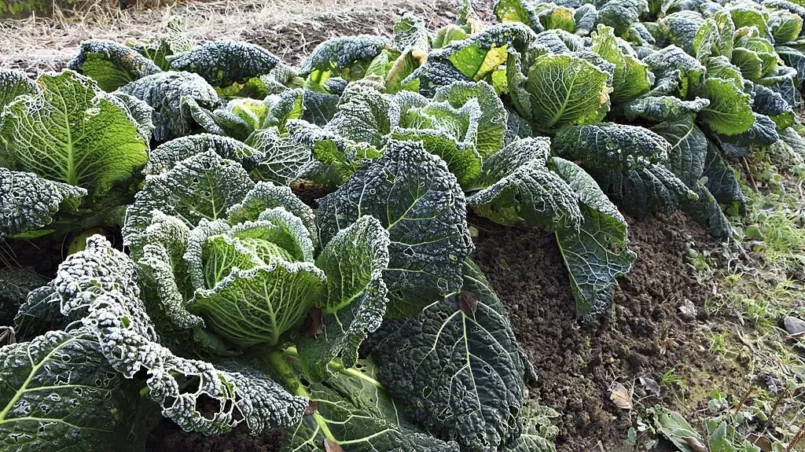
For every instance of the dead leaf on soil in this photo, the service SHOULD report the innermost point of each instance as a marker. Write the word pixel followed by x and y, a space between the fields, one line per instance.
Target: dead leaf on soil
pixel 761 441
pixel 651 385
pixel 332 446
pixel 687 310
pixel 695 444
pixel 620 396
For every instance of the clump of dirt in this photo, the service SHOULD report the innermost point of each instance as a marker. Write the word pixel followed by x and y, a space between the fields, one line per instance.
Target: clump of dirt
pixel 643 335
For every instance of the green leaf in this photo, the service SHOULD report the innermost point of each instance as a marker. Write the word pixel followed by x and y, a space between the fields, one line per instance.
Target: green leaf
pixel 492 122
pixel 72 132
pixel 410 32
pixel 167 155
pixel 714 37
pixel 266 195
pixel 353 410
pixel 202 186
pixel 28 202
pixel 278 159
pixel 706 211
pixel 767 102
pixel 682 29
pixel 283 107
pixel 596 254
pixel 13 84
pixel 102 282
pixel 611 146
pixel 631 77
pixel 688 151
pixel 749 15
pixel 785 26
pixel 749 63
pixel 168 93
pixel 730 110
pixel 421 205
pixel 355 299
pixel 59 392
pixel 223 63
pixel 455 370
pixel 558 18
pixel 538 432
pixel 110 64
pixel 40 313
pixel 564 89
pixel 646 190
pixel 518 11
pixel 663 108
pixel 673 63
pixel 363 115
pixel 721 180
pixel 342 57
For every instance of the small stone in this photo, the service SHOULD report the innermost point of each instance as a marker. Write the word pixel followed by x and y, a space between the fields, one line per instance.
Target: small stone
pixel 687 310
pixel 794 325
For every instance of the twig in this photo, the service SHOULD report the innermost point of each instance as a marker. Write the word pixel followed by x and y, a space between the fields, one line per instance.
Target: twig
pixel 749 173
pixel 783 393
pixel 796 439
pixel 743 399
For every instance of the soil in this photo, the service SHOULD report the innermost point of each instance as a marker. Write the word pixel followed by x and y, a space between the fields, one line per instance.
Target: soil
pixel 168 437
pixel 643 335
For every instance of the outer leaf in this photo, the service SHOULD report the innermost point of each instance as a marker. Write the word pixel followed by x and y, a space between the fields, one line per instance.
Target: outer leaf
pixel 663 108
pixel 40 313
pixel 681 28
pixel 363 115
pixel 721 180
pixel 631 77
pixel 611 146
pixel 223 63
pixel 100 281
pixel 410 32
pixel 73 133
pixel 266 195
pixel 519 152
pixel 340 54
pixel 566 90
pixel 762 133
pixel 459 373
pixel 596 254
pixel 355 300
pixel 202 186
pixel 279 159
pixel 28 202
pixel 706 211
pixel 419 202
pixel 688 149
pixel 110 64
pixel 730 109
pixel 518 11
pixel 646 190
pixel 59 392
pixel 355 411
pixel 767 102
pixel 165 92
pixel 538 433
pixel 13 84
pixel 331 149
pixel 673 62
pixel 532 193
pixel 167 155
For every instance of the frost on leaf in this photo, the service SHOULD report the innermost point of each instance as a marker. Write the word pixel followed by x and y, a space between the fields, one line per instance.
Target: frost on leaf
pixel 421 205
pixel 13 84
pixel 129 339
pixel 110 64
pixel 74 133
pixel 596 254
pixel 167 155
pixel 355 296
pixel 338 55
pixel 59 392
pixel 611 146
pixel 223 63
pixel 28 202
pixel 458 375
pixel 166 92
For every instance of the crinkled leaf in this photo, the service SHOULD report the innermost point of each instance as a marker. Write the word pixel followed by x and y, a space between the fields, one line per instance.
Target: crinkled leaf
pixel 420 203
pixel 339 55
pixel 762 133
pixel 40 313
pixel 101 281
pixel 202 186
pixel 363 115
pixel 13 84
pixel 74 133
pixel 688 150
pixel 278 159
pixel 721 180
pixel 223 63
pixel 410 32
pixel 493 119
pixel 596 254
pixel 564 89
pixel 15 283
pixel 730 109
pixel 518 11
pixel 358 413
pixel 663 108
pixel 645 191
pixel 611 146
pixel 166 93
pixel 167 155
pixel 266 195
pixel 538 431
pixel 459 374
pixel 355 296
pixel 767 102
pixel 28 202
pixel 631 77
pixel 706 211
pixel 59 392
pixel 110 64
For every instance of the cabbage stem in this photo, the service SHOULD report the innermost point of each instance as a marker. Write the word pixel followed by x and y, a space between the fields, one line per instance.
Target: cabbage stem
pixel 338 367
pixel 292 382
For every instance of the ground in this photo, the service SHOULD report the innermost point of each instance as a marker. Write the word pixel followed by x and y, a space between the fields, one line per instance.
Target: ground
pixel 726 360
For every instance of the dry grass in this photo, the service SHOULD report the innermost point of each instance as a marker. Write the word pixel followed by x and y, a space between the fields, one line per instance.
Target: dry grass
pixel 289 28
